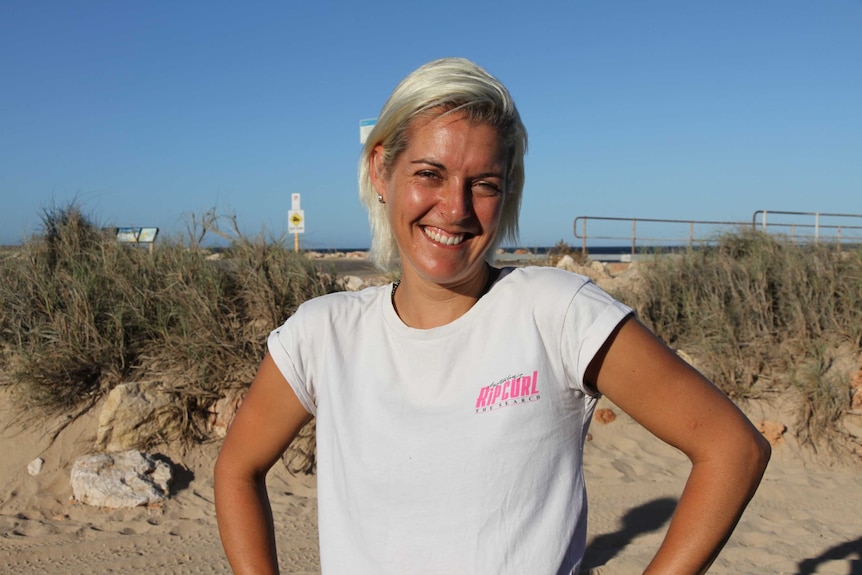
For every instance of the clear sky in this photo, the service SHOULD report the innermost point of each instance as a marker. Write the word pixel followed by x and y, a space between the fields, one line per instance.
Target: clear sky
pixel 148 111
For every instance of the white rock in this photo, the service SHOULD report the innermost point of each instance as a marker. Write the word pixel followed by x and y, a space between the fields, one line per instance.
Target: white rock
pixel 35 466
pixel 117 480
pixel 566 263
pixel 133 415
pixel 351 283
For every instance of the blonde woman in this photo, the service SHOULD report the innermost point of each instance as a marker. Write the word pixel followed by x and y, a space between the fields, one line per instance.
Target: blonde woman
pixel 452 406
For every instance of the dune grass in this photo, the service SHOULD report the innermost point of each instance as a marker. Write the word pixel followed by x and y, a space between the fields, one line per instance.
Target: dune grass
pixel 80 313
pixel 761 313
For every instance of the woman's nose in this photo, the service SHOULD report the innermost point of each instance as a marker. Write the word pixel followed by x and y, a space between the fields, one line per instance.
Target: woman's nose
pixel 457 200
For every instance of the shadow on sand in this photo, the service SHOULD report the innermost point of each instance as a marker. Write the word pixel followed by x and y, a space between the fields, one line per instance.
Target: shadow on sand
pixel 643 519
pixel 836 553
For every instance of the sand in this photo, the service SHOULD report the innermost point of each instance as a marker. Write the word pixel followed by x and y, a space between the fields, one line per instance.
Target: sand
pixel 804 519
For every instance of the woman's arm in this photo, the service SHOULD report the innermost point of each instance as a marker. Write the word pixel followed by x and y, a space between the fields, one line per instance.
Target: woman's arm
pixel 269 418
pixel 677 404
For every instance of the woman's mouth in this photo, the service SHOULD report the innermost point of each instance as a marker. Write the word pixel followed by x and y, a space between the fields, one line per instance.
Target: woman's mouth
pixel 444 238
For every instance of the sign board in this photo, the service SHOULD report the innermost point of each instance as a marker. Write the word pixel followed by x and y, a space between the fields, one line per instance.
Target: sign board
pixel 294 202
pixel 137 235
pixel 365 127
pixel 295 222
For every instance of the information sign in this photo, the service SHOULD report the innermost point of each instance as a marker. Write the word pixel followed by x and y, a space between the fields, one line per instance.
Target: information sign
pixel 365 127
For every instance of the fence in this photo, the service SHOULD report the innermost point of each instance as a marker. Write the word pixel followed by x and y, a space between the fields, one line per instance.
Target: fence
pixel 819 226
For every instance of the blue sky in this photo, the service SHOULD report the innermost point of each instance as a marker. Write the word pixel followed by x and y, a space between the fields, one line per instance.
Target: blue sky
pixel 146 112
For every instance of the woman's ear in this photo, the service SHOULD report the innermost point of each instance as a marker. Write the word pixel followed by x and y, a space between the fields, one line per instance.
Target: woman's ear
pixel 376 170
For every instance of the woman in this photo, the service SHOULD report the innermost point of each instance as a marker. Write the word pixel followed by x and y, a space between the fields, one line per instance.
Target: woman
pixel 452 406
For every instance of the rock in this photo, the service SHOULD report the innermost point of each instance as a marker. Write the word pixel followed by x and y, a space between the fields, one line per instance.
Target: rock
pixel 772 431
pixel 301 455
pixel 595 271
pixel 566 262
pixel 35 466
pixel 856 390
pixel 604 415
pixel 852 424
pixel 599 268
pixel 118 480
pixel 351 283
pixel 134 415
pixel 222 413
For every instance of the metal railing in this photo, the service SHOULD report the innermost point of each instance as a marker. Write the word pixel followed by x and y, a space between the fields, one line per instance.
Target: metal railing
pixel 824 227
pixel 818 229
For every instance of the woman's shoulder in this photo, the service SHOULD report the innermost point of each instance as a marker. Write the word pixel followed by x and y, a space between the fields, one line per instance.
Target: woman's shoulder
pixel 550 287
pixel 346 299
pixel 546 277
pixel 342 305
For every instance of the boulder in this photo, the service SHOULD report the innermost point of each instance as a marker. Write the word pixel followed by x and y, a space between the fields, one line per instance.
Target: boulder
pixel 301 455
pixel 595 270
pixel 134 415
pixel 852 423
pixel 351 283
pixel 117 480
pixel 222 412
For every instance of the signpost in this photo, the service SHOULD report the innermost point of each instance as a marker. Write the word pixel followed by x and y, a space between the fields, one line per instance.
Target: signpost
pixel 295 221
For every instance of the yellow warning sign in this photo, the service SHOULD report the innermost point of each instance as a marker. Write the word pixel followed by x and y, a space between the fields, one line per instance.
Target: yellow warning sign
pixel 295 222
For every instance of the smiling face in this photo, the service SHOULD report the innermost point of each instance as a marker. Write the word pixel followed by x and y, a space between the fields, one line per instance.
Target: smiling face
pixel 444 195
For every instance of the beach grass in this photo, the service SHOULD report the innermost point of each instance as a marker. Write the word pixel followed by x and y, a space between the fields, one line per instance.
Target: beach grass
pixel 81 313
pixel 763 314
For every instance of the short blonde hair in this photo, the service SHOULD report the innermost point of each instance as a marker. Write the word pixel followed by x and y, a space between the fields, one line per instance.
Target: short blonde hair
pixel 442 87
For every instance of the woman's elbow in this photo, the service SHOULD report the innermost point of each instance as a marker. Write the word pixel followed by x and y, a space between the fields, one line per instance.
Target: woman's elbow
pixel 765 451
pixel 757 453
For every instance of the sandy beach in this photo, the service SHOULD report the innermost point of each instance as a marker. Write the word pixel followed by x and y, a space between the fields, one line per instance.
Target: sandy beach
pixel 804 518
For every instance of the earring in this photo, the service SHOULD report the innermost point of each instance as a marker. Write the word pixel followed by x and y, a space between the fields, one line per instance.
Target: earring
pixel 380 199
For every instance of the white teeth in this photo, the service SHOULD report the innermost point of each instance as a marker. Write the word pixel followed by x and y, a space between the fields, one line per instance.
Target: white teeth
pixel 443 239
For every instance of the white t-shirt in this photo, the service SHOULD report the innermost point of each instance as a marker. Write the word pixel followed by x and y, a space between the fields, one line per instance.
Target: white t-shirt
pixel 456 449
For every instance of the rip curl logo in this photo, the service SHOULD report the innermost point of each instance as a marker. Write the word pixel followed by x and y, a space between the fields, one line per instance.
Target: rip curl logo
pixel 509 391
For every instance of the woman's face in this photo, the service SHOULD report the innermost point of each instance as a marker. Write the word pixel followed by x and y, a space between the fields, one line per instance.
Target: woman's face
pixel 444 196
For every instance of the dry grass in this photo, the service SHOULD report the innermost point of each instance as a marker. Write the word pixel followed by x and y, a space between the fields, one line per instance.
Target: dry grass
pixel 80 313
pixel 761 313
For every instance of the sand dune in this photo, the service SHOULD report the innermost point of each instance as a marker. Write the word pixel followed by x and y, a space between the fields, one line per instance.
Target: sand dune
pixel 804 519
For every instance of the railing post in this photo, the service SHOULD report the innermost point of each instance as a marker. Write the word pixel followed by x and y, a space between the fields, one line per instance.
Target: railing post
pixel 584 239
pixel 634 234
pixel 690 235
pixel 816 227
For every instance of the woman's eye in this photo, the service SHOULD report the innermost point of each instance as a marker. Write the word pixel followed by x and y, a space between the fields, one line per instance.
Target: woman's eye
pixel 486 188
pixel 427 174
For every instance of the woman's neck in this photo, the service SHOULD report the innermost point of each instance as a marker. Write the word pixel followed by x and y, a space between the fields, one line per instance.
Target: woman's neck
pixel 425 305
